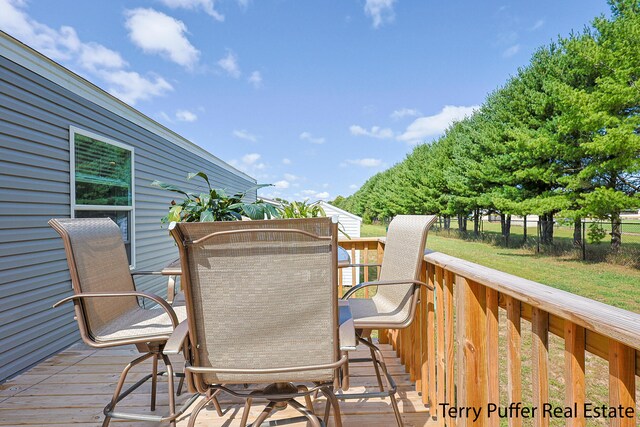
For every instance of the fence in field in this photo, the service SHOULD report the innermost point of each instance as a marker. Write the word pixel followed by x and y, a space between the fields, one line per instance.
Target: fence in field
pixel 593 236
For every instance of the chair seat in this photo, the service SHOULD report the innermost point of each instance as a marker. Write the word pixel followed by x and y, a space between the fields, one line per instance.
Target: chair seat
pixel 141 323
pixel 374 313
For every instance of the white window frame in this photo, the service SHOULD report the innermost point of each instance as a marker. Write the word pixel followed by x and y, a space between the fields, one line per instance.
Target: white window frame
pixel 72 179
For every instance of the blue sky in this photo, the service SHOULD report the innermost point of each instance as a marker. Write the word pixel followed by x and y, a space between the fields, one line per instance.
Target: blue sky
pixel 314 96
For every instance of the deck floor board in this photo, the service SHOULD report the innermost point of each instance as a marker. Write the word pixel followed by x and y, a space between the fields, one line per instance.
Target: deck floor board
pixel 72 387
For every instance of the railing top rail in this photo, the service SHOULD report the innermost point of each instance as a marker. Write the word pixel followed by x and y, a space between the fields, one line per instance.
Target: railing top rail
pixel 361 239
pixel 621 325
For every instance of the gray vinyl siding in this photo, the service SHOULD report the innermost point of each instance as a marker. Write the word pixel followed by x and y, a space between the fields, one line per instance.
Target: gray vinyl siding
pixel 35 116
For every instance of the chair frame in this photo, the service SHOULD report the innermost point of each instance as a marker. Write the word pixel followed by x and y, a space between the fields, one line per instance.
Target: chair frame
pixel 364 331
pixel 150 346
pixel 277 394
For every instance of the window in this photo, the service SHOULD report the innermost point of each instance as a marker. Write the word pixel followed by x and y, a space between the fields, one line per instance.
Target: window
pixel 102 182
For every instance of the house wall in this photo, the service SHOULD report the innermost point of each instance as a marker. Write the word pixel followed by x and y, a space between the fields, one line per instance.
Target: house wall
pixel 35 116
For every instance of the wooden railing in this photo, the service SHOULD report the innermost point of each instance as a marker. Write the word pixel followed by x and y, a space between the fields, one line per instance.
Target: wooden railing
pixel 451 350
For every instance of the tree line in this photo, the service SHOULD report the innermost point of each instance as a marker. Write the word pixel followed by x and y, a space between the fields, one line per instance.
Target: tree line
pixel 560 139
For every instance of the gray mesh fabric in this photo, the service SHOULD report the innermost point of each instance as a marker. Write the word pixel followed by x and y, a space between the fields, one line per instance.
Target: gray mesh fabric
pixel 403 254
pixel 102 266
pixel 263 299
pixel 139 322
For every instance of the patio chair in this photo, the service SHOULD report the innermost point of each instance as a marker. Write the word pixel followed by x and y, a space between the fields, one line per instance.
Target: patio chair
pixel 262 310
pixel 398 289
pixel 107 308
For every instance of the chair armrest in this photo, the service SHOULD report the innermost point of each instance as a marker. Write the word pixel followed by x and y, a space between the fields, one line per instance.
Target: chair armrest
pixel 177 339
pixel 347 330
pixel 145 273
pixel 155 298
pixel 385 283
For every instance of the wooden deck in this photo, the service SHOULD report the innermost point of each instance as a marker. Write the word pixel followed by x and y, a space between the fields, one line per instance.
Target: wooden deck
pixel 72 387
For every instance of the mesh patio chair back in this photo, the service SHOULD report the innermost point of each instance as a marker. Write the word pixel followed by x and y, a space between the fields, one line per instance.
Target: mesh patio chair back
pixel 97 262
pixel 403 254
pixel 261 295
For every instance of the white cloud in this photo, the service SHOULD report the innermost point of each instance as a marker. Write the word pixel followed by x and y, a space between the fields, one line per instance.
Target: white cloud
pixel 243 3
pixel 250 159
pixel 539 24
pixel 375 132
pixel 404 112
pixel 94 56
pixel 244 134
pixel 435 125
pixel 131 87
pixel 281 184
pixel 290 177
pixel 251 164
pixel 511 51
pixel 206 5
pixel 306 136
pixel 230 64
pixel 380 11
pixel 64 45
pixel 353 187
pixel 313 194
pixel 255 79
pixel 286 161
pixel 186 116
pixel 366 162
pixel 157 33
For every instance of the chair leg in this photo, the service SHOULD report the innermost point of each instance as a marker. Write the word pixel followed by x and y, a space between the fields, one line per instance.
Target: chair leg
pixel 154 381
pixel 196 410
pixel 180 385
pixel 214 399
pixel 313 418
pixel 392 395
pixel 375 365
pixel 396 410
pixel 263 415
pixel 172 396
pixel 123 376
pixel 332 401
pixel 245 413
pixel 377 354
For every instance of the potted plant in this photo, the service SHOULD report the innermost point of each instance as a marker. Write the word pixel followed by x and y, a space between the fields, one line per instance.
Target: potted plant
pixel 214 205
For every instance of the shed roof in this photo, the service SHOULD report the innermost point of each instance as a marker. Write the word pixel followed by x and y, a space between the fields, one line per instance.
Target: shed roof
pixel 341 211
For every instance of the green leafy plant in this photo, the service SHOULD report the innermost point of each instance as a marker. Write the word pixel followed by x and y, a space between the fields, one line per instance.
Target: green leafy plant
pixel 214 205
pixel 304 209
pixel 596 233
pixel 300 209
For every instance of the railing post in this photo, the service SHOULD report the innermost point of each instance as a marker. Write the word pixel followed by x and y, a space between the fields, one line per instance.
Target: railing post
pixel 366 269
pixel 622 381
pixel 472 342
pixel 540 371
pixel 574 344
pixel 514 365
pixel 449 338
pixel 440 354
pixel 493 393
pixel 426 344
pixel 420 326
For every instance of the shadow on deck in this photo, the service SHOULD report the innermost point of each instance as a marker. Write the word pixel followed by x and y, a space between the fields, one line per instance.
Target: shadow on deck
pixel 72 387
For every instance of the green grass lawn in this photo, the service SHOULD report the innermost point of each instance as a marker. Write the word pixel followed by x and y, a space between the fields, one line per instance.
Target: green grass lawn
pixel 612 284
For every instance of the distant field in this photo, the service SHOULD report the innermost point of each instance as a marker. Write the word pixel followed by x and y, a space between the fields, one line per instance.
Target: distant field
pixel 612 284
